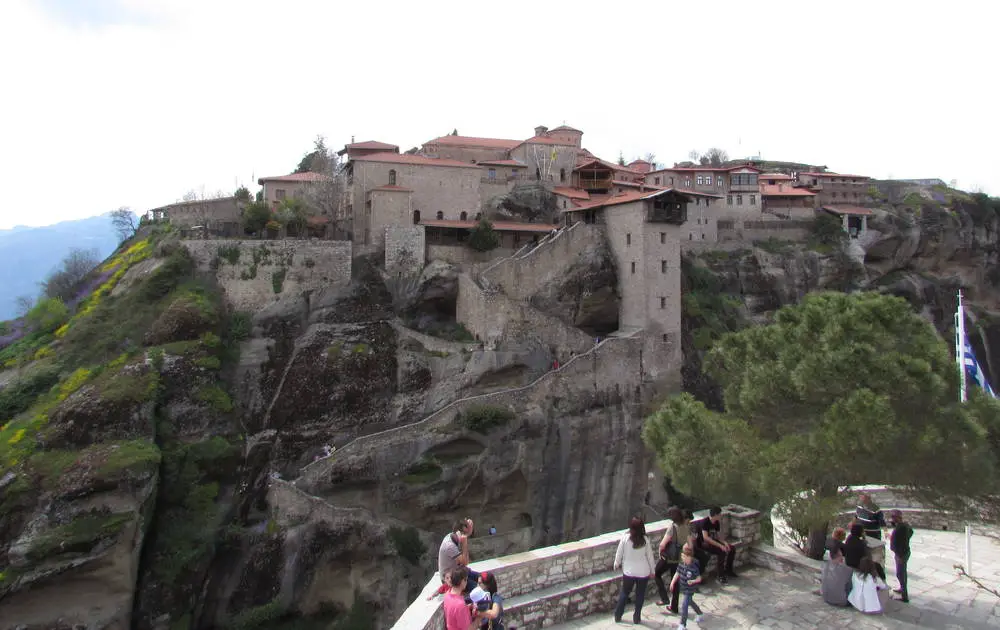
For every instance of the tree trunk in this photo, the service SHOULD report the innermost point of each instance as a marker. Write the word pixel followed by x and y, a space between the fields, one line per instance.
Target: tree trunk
pixel 816 541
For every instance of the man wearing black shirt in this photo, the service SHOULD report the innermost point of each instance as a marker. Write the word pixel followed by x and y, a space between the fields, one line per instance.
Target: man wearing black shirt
pixel 899 542
pixel 855 548
pixel 710 542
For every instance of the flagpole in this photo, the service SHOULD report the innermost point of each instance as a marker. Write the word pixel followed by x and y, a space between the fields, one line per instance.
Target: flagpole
pixel 960 344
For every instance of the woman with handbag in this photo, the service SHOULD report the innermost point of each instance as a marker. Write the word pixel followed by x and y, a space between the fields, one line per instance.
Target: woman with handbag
pixel 670 557
pixel 635 560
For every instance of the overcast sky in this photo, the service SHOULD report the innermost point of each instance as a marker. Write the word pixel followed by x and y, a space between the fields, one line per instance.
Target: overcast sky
pixel 112 103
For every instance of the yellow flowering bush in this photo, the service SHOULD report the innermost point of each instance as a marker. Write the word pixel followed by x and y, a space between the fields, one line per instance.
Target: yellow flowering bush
pixel 17 437
pixel 73 383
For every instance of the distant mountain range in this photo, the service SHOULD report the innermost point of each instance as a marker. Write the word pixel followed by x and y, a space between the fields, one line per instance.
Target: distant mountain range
pixel 29 254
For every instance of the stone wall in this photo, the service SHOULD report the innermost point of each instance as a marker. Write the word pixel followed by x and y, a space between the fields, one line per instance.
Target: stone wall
pixel 565 569
pixel 463 255
pixel 496 320
pixel 524 274
pixel 786 230
pixel 404 240
pixel 268 270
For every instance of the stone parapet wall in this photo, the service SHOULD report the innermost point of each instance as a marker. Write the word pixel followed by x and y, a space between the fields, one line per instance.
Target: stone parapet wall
pixel 786 230
pixel 268 270
pixel 554 574
pixel 464 256
pixel 522 275
pixel 405 245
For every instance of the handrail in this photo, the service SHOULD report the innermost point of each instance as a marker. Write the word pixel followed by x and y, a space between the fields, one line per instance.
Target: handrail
pixel 454 403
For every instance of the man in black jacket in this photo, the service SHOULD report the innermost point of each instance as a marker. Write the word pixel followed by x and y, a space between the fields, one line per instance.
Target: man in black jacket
pixel 899 543
pixel 855 548
pixel 869 515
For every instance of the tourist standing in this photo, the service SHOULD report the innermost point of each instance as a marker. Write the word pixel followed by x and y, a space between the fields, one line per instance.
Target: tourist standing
pixel 687 578
pixel 899 543
pixel 458 615
pixel 490 611
pixel 670 557
pixel 454 552
pixel 870 516
pixel 635 560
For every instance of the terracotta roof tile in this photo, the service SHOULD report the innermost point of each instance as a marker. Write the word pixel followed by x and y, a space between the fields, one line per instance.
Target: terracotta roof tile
pixel 368 144
pixel 471 141
pixel 406 158
pixel 635 195
pixel 572 193
pixel 706 169
pixel 835 175
pixel 784 190
pixel 500 226
pixel 294 177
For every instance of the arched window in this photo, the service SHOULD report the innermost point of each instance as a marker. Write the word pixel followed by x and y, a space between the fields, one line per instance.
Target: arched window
pixel 440 215
pixel 464 216
pixel 562 175
pixel 392 178
pixel 416 217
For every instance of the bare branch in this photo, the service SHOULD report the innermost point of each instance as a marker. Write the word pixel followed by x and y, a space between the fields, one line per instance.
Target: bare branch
pixel 124 222
pixel 979 585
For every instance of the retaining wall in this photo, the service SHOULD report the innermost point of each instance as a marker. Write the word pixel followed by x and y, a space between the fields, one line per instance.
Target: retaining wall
pixel 267 270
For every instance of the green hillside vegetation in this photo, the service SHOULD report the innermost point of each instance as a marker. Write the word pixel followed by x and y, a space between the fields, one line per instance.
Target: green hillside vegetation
pixel 115 350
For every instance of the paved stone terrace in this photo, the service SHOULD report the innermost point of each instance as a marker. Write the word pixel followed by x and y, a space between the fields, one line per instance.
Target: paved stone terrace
pixel 762 600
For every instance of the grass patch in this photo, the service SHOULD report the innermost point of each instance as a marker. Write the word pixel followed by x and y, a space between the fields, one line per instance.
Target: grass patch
pixel 130 388
pixel 423 471
pixel 775 245
pixel 208 363
pixel 229 253
pixel 215 397
pixel 710 310
pixel 78 536
pixel 240 326
pixel 407 543
pixel 23 392
pixel 258 616
pixel 483 418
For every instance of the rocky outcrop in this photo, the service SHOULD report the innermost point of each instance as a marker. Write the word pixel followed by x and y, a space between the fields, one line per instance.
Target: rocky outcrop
pixel 532 203
pixel 586 294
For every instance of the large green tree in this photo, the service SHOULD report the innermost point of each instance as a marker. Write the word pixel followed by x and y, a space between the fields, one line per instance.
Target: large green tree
pixel 839 390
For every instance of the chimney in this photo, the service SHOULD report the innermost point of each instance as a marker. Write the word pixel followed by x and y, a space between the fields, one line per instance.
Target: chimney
pixel 352 139
pixel 540 130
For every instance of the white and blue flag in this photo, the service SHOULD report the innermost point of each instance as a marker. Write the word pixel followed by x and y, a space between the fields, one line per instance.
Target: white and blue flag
pixel 973 371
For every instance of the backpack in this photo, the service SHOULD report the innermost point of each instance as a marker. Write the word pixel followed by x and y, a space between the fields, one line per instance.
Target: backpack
pixel 672 554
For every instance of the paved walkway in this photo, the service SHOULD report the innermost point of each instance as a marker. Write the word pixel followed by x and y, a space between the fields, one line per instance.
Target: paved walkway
pixel 764 600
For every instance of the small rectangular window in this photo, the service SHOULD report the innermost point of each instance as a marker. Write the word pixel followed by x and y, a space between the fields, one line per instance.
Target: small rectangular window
pixel 633 267
pixel 663 238
pixel 753 200
pixel 663 302
pixel 663 266
pixel 628 239
pixel 279 194
pixel 729 199
pixel 664 336
pixel 739 200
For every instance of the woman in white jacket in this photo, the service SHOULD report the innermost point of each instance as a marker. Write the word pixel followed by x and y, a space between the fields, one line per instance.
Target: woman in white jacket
pixel 636 561
pixel 867 588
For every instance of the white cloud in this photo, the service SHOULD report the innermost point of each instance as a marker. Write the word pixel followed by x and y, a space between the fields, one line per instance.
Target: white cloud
pixel 138 101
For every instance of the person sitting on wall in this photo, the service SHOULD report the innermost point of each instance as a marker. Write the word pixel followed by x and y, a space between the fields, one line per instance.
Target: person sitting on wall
pixel 855 548
pixel 836 541
pixel 454 553
pixel 710 541
pixel 837 577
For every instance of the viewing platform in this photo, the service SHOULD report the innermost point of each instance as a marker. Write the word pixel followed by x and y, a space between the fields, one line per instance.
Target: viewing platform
pixel 573 586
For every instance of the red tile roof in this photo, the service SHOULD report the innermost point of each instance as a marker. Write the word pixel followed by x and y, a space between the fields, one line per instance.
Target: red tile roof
pixel 406 158
pixel 784 190
pixel 389 188
pixel 546 140
pixel 500 226
pixel 368 144
pixel 565 128
pixel 471 141
pixel 705 169
pixel 852 210
pixel 641 166
pixel 635 195
pixel 599 162
pixel 504 163
pixel 294 177
pixel 572 193
pixel 835 175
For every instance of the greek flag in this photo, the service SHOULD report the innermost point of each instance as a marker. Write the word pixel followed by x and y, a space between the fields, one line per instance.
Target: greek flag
pixel 974 372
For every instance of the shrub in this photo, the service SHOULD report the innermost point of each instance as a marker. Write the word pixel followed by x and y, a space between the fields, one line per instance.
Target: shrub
pixel 483 237
pixel 48 315
pixel 209 363
pixel 278 279
pixel 229 253
pixel 168 276
pixel 258 616
pixel 255 217
pixel 214 397
pixel 423 471
pixel 22 393
pixel 407 543
pixel 483 418
pixel 827 230
pixel 240 326
pixel 80 535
